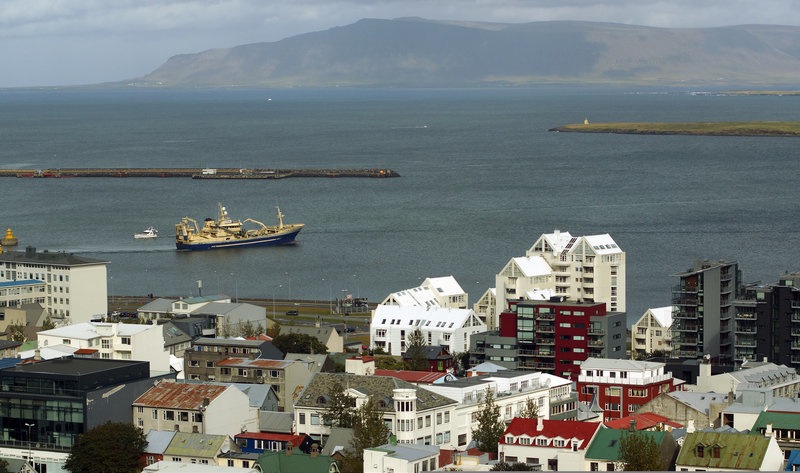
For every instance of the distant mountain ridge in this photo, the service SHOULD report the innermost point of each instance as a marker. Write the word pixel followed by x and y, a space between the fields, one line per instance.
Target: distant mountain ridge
pixel 414 52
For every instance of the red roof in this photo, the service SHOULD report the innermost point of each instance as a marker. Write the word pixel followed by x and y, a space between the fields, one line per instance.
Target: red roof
pixel 179 395
pixel 644 421
pixel 295 439
pixel 84 351
pixel 412 376
pixel 564 429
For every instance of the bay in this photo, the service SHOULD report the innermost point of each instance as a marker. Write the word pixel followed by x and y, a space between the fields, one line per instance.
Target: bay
pixel 482 178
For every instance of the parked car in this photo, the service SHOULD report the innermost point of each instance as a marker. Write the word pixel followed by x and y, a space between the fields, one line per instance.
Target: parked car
pixel 292 312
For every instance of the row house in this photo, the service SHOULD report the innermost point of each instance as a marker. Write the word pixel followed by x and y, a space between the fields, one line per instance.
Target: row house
pixel 115 341
pixel 392 325
pixel 779 380
pixel 549 445
pixel 75 286
pixel 583 269
pixel 621 387
pixel 191 407
pixel 260 442
pixel 552 396
pixel 286 378
pixel 442 292
pixel 413 414
pixel 729 451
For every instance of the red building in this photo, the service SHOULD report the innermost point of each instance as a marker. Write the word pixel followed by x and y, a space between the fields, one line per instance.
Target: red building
pixel 556 336
pixel 620 387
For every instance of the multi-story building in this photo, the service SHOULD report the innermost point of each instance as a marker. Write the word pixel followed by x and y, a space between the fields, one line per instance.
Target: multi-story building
pixel 75 286
pixel 46 405
pixel 552 396
pixel 703 311
pixel 192 407
pixel 549 445
pixel 22 291
pixel 651 333
pixel 413 414
pixel 620 387
pixel 392 325
pixel 287 378
pixel 767 322
pixel 583 269
pixel 552 336
pixel 200 362
pixel 433 292
pixel 115 341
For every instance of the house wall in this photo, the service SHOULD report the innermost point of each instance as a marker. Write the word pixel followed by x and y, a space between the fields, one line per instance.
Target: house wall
pixel 229 414
pixel 679 412
pixel 567 460
pixel 88 292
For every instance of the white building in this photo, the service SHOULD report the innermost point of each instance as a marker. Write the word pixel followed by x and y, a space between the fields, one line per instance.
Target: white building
pixel 779 380
pixel 554 445
pixel 582 269
pixel 413 414
pixel 401 458
pixel 22 291
pixel 451 328
pixel 511 390
pixel 652 331
pixel 116 341
pixel 76 287
pixel 189 407
pixel 433 292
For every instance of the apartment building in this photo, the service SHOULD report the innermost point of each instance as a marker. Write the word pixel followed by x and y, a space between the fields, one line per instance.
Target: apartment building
pixel 621 387
pixel 703 311
pixel 200 362
pixel 583 269
pixel 652 332
pixel 553 336
pixel 433 292
pixel 75 286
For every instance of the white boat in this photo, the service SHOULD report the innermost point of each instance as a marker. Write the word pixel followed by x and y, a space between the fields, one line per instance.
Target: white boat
pixel 149 232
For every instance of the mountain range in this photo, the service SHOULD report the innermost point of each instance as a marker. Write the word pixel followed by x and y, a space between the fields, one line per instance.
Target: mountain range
pixel 414 52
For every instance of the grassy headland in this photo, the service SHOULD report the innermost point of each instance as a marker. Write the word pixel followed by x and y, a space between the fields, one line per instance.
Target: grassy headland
pixel 688 128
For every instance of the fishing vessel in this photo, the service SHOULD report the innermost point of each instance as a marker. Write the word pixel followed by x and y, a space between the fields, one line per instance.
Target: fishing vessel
pixel 228 233
pixel 148 232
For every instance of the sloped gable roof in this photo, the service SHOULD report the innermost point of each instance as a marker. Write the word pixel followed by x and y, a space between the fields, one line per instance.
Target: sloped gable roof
pixel 532 266
pixel 779 420
pixel 552 429
pixel 736 450
pixel 644 421
pixel 167 394
pixel 196 445
pixel 605 445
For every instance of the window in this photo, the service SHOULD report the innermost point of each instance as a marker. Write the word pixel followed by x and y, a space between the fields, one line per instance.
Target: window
pixel 699 451
pixel 302 418
pixel 314 419
pixel 438 418
pixel 446 417
pixel 210 364
pixel 105 343
pixel 169 415
pixel 715 451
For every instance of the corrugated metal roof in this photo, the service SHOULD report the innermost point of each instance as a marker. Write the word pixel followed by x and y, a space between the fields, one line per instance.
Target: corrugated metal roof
pixel 179 395
pixel 195 445
pixel 736 450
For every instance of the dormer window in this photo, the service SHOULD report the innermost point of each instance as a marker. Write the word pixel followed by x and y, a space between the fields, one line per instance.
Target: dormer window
pixel 510 439
pixel 699 451
pixel 715 451
pixel 322 400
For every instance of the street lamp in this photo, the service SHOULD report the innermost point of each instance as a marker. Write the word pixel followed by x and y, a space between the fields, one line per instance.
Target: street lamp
pixel 30 454
pixel 273 297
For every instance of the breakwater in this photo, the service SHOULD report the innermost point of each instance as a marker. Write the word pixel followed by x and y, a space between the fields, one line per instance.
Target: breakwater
pixel 197 173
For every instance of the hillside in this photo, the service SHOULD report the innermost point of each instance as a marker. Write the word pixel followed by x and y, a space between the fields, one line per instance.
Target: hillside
pixel 413 52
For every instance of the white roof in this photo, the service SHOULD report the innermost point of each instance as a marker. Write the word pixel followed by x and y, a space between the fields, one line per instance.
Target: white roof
pixel 446 285
pixel 603 244
pixel 49 353
pixel 663 315
pixel 533 266
pixel 622 365
pixel 539 295
pixel 557 240
pixel 88 330
pixel 420 316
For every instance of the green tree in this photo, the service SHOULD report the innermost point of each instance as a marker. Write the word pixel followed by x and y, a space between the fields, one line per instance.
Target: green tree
pixel 47 323
pixel 369 431
pixel 388 363
pixel 489 428
pixel 299 343
pixel 339 410
pixel 247 329
pixel 530 410
pixel 4 466
pixel 16 332
pixel 415 351
pixel 638 451
pixel 273 331
pixel 516 466
pixel 113 447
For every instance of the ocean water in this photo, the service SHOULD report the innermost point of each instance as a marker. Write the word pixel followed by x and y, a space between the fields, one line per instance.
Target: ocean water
pixel 482 179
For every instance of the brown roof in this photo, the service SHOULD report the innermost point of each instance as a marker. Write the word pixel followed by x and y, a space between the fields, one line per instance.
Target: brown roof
pixel 179 395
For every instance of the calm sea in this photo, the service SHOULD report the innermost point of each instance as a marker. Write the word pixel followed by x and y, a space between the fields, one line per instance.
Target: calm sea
pixel 482 178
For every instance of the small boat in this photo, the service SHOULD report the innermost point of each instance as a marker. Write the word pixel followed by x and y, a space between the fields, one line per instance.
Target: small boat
pixel 227 233
pixel 149 232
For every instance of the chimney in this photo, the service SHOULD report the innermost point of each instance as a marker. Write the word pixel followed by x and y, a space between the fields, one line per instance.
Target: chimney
pixel 768 432
pixel 288 450
pixel 690 426
pixel 314 450
pixel 37 355
pixel 632 426
pixel 539 423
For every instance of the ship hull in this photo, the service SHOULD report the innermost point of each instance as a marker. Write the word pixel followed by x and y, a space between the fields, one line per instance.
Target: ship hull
pixel 277 239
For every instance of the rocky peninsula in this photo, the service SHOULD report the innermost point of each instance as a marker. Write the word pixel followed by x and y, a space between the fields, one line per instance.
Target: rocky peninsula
pixel 760 128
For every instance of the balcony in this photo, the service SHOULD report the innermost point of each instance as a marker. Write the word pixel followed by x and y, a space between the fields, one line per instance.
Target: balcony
pixel 685 314
pixel 544 366
pixel 548 316
pixel 596 331
pixel 546 341
pixel 547 353
pixel 546 328
pixel 745 315
pixel 685 328
pixel 594 342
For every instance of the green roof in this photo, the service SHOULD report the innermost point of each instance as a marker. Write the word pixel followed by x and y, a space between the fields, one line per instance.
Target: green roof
pixel 736 450
pixel 605 445
pixel 296 462
pixel 195 445
pixel 779 420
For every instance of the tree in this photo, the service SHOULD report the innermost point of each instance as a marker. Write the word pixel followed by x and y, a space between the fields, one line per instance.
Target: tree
pixel 415 351
pixel 247 329
pixel 516 466
pixel 339 410
pixel 489 428
pixel 369 431
pixel 4 466
pixel 299 343
pixel 388 363
pixel 16 332
pixel 530 410
pixel 113 447
pixel 273 331
pixel 47 323
pixel 639 451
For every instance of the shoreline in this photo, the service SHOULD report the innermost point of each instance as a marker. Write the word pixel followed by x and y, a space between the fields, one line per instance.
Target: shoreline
pixel 765 129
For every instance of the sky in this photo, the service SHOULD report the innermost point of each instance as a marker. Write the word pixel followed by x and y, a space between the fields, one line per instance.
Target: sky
pixel 72 42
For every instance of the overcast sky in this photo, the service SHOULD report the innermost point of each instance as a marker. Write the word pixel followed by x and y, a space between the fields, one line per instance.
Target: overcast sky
pixel 68 42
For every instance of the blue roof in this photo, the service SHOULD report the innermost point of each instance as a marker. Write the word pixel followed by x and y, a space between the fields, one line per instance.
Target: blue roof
pixel 794 461
pixel 8 362
pixel 20 282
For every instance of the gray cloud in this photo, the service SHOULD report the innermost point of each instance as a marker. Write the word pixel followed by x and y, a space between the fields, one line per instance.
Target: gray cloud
pixel 46 42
